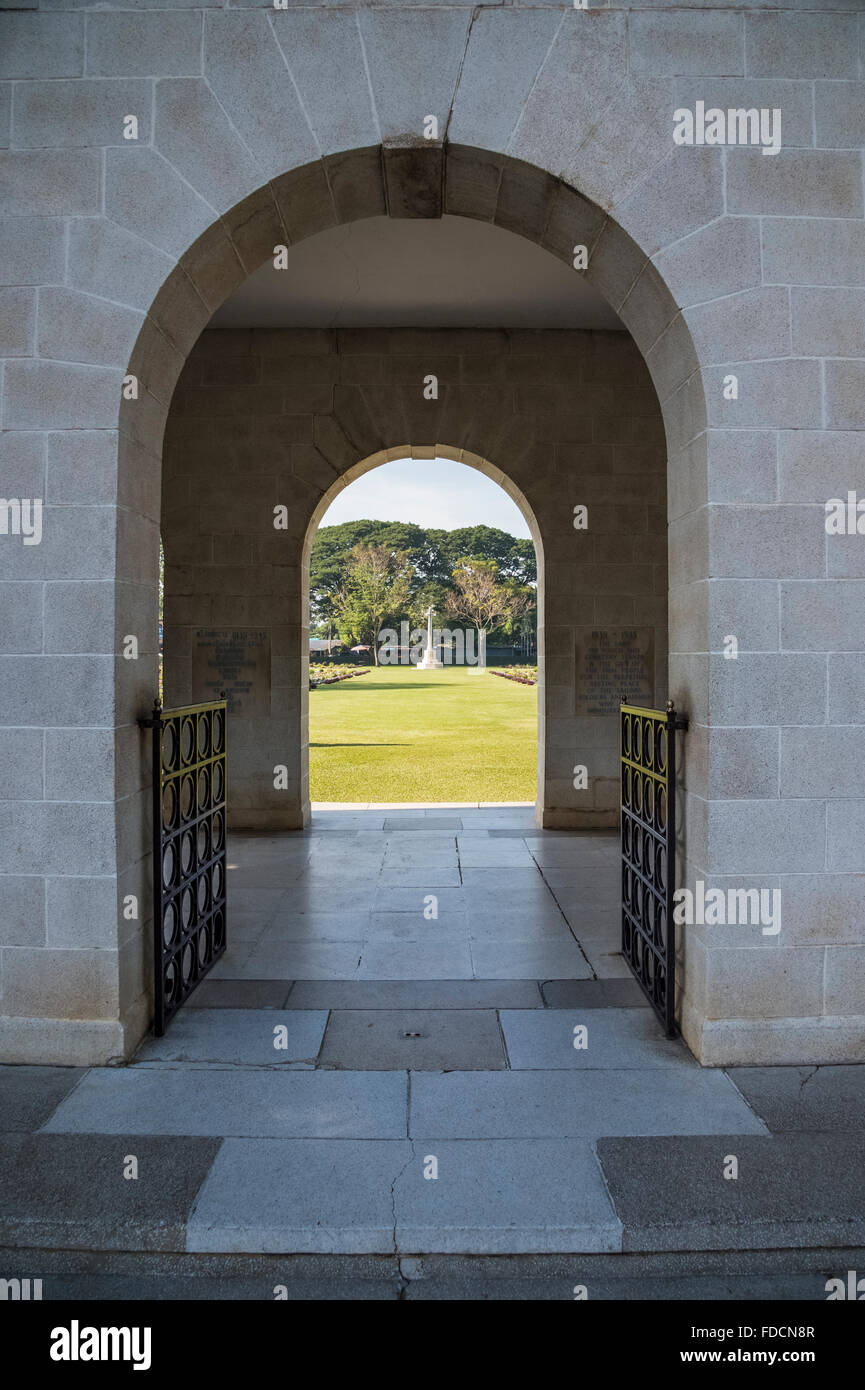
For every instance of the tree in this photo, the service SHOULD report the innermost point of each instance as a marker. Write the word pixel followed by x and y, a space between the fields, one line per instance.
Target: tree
pixel 377 587
pixel 479 597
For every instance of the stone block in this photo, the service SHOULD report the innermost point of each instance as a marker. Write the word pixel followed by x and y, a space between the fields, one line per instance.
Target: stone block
pixel 52 983
pixel 356 183
pixel 679 199
pixel 845 981
pixel 505 51
pixel 767 688
pixel 839 109
pixel 17 322
pixel 79 113
pixel 413 60
pixel 753 324
pixel 796 1190
pixel 709 44
pixel 813 251
pixel 721 259
pixel 81 912
pixel 743 466
pixel 822 617
pixel 110 261
pixel 793 98
pixel 822 909
pixel 161 44
pixel 216 163
pixel 829 323
pixel 21 756
pixel 50 45
pixel 323 52
pixel 747 983
pixel 768 837
pixel 45 690
pixel 801 45
pixel 295 1104
pixel 50 1199
pixel 819 762
pixel 55 395
pixel 794 183
pixel 845 407
pixel 31 250
pixel 75 327
pixel 743 764
pixel 846 689
pixel 241 56
pixel 767 542
pixel 781 395
pixel 20 615
pixel 49 184
pixel 145 194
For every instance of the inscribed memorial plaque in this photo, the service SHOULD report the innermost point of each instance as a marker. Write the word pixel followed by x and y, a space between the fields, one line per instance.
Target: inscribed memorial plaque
pixel 612 662
pixel 236 660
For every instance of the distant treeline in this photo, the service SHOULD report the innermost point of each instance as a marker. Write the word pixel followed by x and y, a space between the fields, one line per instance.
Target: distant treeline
pixel 433 556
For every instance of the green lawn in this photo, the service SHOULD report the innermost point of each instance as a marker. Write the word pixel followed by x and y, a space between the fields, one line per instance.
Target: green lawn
pixel 398 734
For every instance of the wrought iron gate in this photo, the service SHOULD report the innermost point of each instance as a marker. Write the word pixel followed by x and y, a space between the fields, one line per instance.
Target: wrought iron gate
pixel 189 844
pixel 648 771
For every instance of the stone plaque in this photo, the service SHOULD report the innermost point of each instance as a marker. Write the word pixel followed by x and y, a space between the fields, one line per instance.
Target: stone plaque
pixel 236 660
pixel 612 662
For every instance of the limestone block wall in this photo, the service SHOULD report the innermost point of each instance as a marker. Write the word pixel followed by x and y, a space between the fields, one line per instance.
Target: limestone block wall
pixel 259 127
pixel 268 417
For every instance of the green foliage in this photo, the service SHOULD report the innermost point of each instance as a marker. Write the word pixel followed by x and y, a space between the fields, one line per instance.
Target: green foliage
pixel 433 556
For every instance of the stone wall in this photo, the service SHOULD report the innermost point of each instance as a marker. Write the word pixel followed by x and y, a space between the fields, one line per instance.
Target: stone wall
pixel 263 418
pixel 259 127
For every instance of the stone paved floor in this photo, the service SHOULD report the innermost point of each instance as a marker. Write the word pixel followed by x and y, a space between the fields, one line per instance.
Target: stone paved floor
pixel 353 899
pixel 363 1081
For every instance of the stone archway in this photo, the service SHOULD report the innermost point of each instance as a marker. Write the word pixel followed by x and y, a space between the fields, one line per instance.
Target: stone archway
pixel 489 470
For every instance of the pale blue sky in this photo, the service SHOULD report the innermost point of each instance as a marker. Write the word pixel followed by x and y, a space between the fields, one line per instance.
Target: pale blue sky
pixel 436 493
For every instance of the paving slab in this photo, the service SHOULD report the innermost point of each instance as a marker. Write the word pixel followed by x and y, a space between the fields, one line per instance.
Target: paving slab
pixel 800 1190
pixel 311 927
pixel 233 1037
pixel 414 926
pixel 804 1098
pixel 299 960
pixel 544 1040
pixel 562 1104
pixel 69 1190
pixel 542 922
pixel 29 1095
pixel 521 960
pixel 303 1104
pixel 414 1039
pixel 415 994
pixel 239 994
pixel 504 1196
pixel 392 898
pixel 439 824
pixel 593 994
pixel 276 1196
pixel 417 960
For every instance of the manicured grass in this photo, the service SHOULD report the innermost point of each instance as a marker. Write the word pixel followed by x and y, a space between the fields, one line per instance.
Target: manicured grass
pixel 405 735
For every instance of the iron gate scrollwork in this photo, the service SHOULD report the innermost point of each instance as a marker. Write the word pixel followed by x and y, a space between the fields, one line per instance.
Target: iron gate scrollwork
pixel 648 772
pixel 189 849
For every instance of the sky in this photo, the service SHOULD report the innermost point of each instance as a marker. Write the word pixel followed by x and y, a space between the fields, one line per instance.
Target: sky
pixel 436 493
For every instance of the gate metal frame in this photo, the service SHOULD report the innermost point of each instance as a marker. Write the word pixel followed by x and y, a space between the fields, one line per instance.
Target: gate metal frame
pixel 189 849
pixel 647 749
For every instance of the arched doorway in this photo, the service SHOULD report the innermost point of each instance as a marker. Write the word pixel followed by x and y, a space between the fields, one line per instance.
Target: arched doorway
pixel 440 786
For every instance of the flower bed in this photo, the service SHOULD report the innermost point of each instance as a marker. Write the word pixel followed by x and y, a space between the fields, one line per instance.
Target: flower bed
pixel 324 675
pixel 523 675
